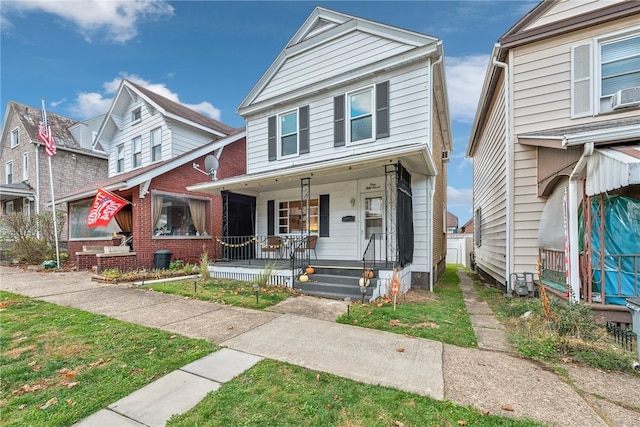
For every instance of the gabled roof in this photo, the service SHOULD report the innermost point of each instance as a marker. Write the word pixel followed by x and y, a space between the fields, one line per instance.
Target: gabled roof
pixel 324 25
pixel 143 175
pixel 170 109
pixel 30 118
pixel 524 32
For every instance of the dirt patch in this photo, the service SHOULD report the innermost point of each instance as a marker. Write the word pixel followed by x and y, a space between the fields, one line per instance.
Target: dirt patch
pixel 416 296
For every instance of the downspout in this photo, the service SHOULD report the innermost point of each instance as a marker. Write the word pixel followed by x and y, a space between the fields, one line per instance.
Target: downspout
pixel 432 180
pixel 507 146
pixel 574 179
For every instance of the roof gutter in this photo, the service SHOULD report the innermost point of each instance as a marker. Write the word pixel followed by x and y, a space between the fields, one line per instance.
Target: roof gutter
pixel 432 179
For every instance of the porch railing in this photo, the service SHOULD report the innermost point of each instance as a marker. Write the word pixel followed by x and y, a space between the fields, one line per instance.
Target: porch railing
pixel 617 267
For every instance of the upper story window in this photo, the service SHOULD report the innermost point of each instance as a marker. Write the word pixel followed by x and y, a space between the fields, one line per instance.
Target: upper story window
pixel 155 138
pixel 120 158
pixel 136 115
pixel 288 133
pixel 15 140
pixel 8 173
pixel 361 115
pixel 25 166
pixel 136 152
pixel 605 75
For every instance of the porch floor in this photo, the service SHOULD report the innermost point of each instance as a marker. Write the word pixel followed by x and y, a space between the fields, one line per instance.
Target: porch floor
pixel 285 264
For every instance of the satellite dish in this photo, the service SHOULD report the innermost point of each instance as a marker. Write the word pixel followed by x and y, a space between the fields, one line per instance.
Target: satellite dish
pixel 211 164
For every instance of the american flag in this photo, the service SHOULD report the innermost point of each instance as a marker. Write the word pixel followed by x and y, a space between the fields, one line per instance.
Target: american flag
pixel 44 134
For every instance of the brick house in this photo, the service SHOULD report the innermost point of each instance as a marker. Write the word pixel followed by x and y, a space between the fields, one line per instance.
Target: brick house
pixel 156 148
pixel 25 183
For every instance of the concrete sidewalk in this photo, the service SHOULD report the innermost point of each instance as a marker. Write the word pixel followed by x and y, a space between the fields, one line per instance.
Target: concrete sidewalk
pixel 490 380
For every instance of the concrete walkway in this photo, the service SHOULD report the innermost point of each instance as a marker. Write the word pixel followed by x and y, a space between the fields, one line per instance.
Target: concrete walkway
pixel 490 379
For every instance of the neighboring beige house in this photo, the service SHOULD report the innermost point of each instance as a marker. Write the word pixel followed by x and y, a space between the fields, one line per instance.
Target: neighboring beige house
pixel 348 134
pixel 559 109
pixel 25 184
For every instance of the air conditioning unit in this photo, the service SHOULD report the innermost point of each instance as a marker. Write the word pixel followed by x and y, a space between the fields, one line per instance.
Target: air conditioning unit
pixel 445 156
pixel 626 98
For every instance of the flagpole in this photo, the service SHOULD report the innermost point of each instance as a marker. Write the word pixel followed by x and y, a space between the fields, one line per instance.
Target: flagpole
pixel 53 199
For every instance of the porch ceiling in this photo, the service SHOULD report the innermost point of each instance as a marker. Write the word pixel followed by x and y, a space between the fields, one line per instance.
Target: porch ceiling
pixel 416 158
pixel 612 168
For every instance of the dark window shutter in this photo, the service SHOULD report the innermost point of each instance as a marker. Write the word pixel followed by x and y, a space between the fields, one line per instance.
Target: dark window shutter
pixel 271 217
pixel 304 129
pixel 338 121
pixel 382 110
pixel 272 137
pixel 324 215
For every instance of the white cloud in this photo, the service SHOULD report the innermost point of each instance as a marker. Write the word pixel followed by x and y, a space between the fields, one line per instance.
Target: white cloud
pixel 116 20
pixel 91 104
pixel 465 76
pixel 459 197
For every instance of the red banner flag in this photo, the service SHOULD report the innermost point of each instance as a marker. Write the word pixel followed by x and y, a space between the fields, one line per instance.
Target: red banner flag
pixel 105 206
pixel 44 134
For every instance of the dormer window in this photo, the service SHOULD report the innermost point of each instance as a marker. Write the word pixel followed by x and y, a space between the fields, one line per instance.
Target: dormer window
pixel 136 115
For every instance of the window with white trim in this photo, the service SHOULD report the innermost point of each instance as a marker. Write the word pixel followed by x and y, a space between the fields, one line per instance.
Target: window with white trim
pixel 136 115
pixel 605 75
pixel 288 134
pixel 8 173
pixel 15 138
pixel 176 215
pixel 25 166
pixel 155 138
pixel 120 158
pixel 360 108
pixel 136 152
pixel 291 220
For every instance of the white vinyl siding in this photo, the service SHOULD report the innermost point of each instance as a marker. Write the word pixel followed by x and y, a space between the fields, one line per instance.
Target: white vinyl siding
pixel 408 122
pixel 547 64
pixel 490 193
pixel 336 57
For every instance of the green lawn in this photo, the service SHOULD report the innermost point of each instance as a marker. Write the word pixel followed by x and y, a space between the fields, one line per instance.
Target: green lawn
pixel 440 316
pixel 277 394
pixel 224 291
pixel 60 365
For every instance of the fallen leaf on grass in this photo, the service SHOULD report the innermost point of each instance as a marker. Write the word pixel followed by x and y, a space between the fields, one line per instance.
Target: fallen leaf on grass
pixel 172 336
pixel 28 389
pixel 151 350
pixel 97 363
pixel 398 423
pixel 70 402
pixel 32 363
pixel 21 407
pixel 329 406
pixel 49 403
pixel 507 408
pixel 462 423
pixel 317 377
pixel 73 384
pixel 69 375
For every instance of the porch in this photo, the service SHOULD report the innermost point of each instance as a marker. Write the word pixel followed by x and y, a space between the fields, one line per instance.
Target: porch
pixel 597 295
pixel 282 260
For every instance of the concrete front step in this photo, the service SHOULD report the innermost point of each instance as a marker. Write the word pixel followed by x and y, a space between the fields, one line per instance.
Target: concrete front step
pixel 333 290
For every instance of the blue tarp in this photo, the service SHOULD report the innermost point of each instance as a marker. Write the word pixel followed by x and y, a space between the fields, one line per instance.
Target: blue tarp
pixel 621 247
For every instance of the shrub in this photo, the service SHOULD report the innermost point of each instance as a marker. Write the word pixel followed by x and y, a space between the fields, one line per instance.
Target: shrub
pixel 31 236
pixel 204 266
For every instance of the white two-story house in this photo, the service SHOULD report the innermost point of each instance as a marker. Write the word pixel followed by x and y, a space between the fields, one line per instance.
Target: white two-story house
pixel 348 134
pixel 556 151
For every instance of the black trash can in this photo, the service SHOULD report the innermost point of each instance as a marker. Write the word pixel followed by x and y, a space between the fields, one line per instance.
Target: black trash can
pixel 162 259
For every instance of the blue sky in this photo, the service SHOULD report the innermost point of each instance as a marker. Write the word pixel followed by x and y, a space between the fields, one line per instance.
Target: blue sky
pixel 209 54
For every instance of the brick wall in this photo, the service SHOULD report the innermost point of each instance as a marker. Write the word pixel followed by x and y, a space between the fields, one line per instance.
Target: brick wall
pixel 186 248
pixel 122 262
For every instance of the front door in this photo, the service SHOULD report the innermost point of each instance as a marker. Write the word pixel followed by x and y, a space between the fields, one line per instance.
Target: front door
pixel 372 219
